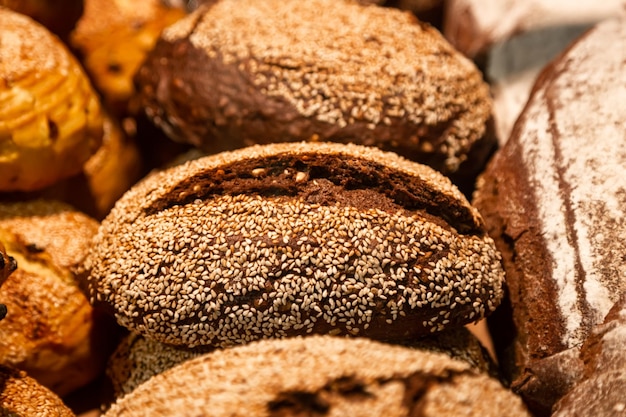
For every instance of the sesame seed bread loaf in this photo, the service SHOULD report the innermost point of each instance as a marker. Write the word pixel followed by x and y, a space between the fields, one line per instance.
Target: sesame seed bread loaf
pixel 285 239
pixel 237 73
pixel 58 16
pixel 7 264
pixel 51 330
pixel 554 201
pixel 320 375
pixel 138 358
pixel 50 117
pixel 602 391
pixel 23 396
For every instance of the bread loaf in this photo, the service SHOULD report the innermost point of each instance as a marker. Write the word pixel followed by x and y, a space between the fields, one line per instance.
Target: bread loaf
pixel 554 201
pixel 320 375
pixel 239 73
pixel 50 330
pixel 294 238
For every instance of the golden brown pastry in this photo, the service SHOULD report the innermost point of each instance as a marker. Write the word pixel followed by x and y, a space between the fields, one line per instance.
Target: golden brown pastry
pixel 113 38
pixel 23 396
pixel 7 266
pixel 50 331
pixel 50 117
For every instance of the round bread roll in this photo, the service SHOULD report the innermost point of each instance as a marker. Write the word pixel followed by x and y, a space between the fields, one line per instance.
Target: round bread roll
pixel 320 375
pixel 50 117
pixel 50 331
pixel 293 238
pixel 114 37
pixel 237 73
pixel 23 396
pixel 7 266
pixel 554 201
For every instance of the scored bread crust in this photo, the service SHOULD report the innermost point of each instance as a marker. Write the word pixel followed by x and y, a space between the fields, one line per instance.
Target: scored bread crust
pixel 286 239
pixel 320 375
pixel 50 117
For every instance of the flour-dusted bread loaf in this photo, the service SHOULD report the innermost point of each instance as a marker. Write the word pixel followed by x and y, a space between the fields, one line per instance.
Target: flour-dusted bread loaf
pixel 293 238
pixel 50 330
pixel 320 375
pixel 602 391
pixel 23 396
pixel 50 117
pixel 554 201
pixel 237 73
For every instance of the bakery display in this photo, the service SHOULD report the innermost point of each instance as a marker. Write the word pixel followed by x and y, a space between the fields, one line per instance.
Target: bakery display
pixel 240 73
pixel 320 375
pixel 51 331
pixel 251 177
pixel 113 38
pixel 50 117
pixel 553 199
pixel 23 396
pixel 293 238
pixel 602 391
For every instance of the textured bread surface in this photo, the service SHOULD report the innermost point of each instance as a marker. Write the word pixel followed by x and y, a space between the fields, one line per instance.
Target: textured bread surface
pixel 320 375
pixel 285 239
pixel 50 117
pixel 51 330
pixel 239 73
pixel 554 199
pixel 23 396
pixel 602 391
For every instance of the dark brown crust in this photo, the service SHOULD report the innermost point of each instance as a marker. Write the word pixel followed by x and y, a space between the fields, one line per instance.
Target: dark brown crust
pixel 378 212
pixel 226 110
pixel 352 182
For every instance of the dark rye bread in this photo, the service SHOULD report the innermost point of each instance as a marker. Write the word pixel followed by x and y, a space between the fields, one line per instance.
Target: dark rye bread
pixel 23 396
pixel 554 199
pixel 237 73
pixel 320 375
pixel 286 239
pixel 602 391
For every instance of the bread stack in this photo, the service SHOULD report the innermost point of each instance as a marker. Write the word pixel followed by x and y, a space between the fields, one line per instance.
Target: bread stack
pixel 300 208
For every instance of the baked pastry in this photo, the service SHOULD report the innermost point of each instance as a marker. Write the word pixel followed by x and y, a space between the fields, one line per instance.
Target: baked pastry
pixel 238 73
pixel 602 392
pixel 293 238
pixel 320 375
pixel 7 266
pixel 50 118
pixel 58 16
pixel 553 200
pixel 51 330
pixel 113 38
pixel 23 396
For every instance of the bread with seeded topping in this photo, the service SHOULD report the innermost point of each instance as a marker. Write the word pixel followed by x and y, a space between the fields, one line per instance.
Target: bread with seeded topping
pixel 294 238
pixel 23 396
pixel 321 375
pixel 237 73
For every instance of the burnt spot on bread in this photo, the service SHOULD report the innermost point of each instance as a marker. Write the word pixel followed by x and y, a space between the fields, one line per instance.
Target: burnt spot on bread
pixel 327 180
